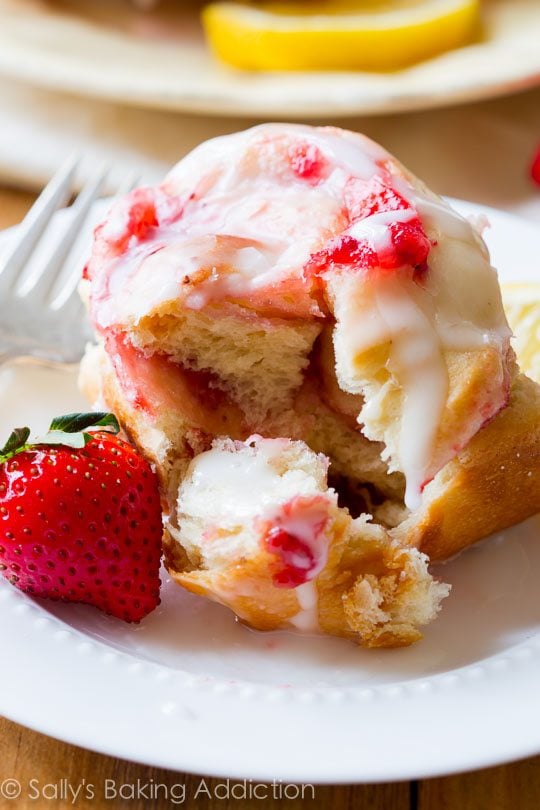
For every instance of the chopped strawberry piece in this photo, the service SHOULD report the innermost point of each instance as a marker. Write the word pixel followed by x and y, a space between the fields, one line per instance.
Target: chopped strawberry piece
pixel 341 251
pixel 296 559
pixel 308 162
pixel 411 245
pixel 135 217
pixel 363 199
pixel 408 245
pixel 142 216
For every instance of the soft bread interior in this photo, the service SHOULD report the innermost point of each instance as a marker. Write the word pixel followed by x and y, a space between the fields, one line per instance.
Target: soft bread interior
pixel 174 412
pixel 259 362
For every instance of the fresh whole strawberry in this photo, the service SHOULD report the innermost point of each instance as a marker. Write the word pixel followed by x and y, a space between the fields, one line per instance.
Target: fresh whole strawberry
pixel 80 517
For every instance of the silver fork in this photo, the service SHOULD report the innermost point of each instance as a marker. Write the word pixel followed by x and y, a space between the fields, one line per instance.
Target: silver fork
pixel 41 315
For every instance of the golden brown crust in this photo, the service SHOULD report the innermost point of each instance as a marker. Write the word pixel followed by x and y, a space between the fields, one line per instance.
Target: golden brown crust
pixel 247 588
pixel 468 373
pixel 366 576
pixel 492 484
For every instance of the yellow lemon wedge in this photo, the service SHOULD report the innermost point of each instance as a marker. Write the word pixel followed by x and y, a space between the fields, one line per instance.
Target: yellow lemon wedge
pixel 376 35
pixel 522 304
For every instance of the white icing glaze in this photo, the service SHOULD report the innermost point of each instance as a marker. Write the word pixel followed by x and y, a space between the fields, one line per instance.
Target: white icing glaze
pixel 246 197
pixel 307 618
pixel 375 230
pixel 417 324
pixel 437 215
pixel 239 489
pixel 245 481
pixel 416 360
pixel 389 316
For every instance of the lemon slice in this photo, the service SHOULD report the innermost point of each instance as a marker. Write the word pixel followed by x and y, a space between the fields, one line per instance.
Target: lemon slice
pixel 522 304
pixel 337 35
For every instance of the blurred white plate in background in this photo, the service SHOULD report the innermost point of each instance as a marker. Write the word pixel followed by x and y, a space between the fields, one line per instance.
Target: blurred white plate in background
pixel 109 50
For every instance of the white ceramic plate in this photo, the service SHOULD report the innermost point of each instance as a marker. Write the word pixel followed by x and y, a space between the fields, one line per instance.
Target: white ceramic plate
pixel 193 690
pixel 111 51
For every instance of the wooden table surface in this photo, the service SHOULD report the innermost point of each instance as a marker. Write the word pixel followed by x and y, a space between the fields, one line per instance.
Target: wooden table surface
pixel 26 755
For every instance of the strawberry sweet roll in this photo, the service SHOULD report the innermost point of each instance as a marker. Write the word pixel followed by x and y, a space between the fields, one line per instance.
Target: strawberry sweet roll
pixel 298 282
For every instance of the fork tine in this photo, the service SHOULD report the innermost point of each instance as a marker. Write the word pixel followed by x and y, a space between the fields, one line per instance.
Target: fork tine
pixel 71 307
pixel 39 286
pixel 69 288
pixel 131 181
pixel 71 283
pixel 54 195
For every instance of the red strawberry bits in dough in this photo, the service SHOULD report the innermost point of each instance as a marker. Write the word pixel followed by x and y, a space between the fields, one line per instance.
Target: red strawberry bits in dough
pixel 297 537
pixel 295 558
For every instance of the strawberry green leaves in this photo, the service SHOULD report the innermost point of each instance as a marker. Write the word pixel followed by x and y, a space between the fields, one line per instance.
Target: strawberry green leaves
pixel 15 444
pixel 77 422
pixel 69 430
